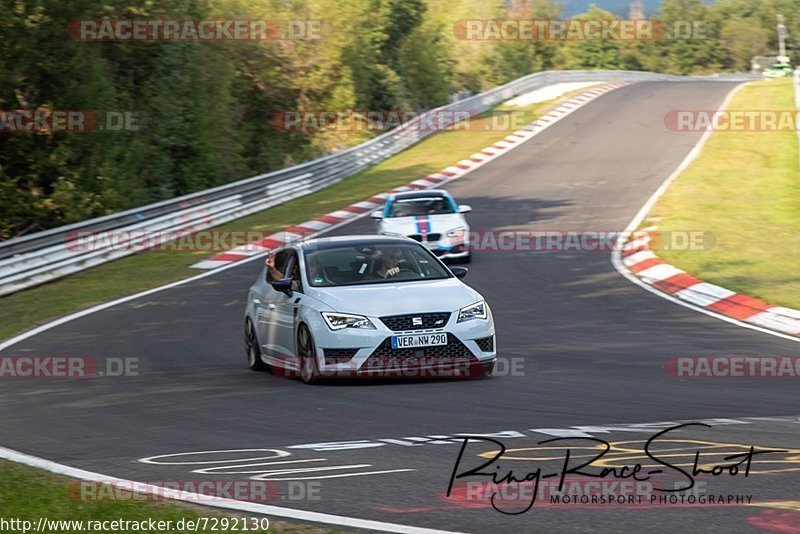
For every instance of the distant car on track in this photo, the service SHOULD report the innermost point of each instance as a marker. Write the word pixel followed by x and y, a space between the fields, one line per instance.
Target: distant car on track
pixel 431 217
pixel 367 305
pixel 778 70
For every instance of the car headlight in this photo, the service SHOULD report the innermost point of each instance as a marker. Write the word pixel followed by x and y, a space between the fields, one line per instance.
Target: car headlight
pixel 473 311
pixel 338 321
pixel 457 232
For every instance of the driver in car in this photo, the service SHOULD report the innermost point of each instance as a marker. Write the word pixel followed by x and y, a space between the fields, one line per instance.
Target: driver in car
pixel 388 266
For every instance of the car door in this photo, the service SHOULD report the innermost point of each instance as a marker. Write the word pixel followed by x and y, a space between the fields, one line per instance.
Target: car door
pixel 285 310
pixel 270 320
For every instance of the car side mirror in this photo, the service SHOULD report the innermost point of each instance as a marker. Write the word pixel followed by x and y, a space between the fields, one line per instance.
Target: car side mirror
pixel 459 271
pixel 284 285
pixel 463 208
pixel 377 215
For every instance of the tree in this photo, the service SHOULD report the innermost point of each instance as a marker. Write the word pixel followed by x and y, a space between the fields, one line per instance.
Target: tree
pixel 743 39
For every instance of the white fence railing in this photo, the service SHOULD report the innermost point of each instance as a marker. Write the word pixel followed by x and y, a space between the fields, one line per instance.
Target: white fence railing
pixel 36 258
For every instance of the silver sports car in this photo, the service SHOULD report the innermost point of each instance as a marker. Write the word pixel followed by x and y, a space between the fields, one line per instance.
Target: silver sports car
pixel 365 306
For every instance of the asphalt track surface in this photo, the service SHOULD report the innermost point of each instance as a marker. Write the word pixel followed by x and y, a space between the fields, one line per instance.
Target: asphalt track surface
pixel 591 345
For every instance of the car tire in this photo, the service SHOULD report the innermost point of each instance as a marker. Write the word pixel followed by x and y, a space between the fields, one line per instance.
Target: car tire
pixel 308 360
pixel 467 258
pixel 488 369
pixel 253 348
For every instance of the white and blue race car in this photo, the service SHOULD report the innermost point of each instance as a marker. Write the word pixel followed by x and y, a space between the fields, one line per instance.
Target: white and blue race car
pixel 430 217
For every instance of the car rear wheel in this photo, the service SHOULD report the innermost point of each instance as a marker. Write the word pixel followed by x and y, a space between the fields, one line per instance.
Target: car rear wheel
pixel 308 360
pixel 253 348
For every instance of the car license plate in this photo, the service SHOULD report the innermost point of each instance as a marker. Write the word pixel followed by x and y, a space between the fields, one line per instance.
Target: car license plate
pixel 418 340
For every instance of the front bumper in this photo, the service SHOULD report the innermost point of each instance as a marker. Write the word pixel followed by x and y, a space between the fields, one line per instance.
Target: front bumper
pixel 445 249
pixel 443 246
pixel 351 351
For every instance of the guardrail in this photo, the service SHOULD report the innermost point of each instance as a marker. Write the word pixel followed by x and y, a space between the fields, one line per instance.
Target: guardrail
pixel 43 256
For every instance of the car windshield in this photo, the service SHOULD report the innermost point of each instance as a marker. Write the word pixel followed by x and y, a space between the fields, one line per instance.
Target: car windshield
pixel 371 264
pixel 433 205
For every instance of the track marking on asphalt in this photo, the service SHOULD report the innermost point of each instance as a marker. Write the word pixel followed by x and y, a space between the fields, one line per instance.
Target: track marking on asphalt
pixel 151 459
pixel 781 505
pixel 578 431
pixel 265 471
pixel 587 431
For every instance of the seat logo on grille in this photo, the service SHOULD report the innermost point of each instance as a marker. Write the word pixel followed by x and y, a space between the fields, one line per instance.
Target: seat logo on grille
pixel 416 321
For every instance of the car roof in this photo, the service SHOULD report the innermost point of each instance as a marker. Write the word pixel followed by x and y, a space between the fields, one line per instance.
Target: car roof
pixel 322 243
pixel 425 193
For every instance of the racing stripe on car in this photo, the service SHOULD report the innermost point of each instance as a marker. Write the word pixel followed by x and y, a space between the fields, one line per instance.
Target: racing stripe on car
pixel 423 225
pixel 309 229
pixel 640 260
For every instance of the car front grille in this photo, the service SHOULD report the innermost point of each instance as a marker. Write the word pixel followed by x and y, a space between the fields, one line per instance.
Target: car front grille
pixel 400 323
pixel 454 355
pixel 431 238
pixel 337 356
pixel 486 344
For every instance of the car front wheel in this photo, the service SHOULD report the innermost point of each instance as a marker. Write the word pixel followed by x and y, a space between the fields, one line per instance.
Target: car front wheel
pixel 253 348
pixel 308 360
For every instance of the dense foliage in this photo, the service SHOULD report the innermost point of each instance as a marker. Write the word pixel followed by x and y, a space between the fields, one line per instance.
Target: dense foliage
pixel 205 107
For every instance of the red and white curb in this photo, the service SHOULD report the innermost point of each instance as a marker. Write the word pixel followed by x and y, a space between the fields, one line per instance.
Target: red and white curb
pixel 349 213
pixel 641 261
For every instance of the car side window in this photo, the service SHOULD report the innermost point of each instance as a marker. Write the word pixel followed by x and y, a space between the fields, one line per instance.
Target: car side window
pixel 294 265
pixel 281 262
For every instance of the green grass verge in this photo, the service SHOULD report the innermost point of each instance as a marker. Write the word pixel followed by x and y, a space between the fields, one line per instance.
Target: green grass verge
pixel 744 189
pixel 24 310
pixel 28 494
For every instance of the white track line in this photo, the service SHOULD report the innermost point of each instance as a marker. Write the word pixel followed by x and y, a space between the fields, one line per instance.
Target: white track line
pixel 616 254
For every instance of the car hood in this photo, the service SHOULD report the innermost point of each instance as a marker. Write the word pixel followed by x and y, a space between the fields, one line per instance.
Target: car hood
pixel 387 298
pixel 423 224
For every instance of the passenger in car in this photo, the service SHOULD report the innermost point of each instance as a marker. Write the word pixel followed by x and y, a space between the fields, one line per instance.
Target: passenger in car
pixel 277 274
